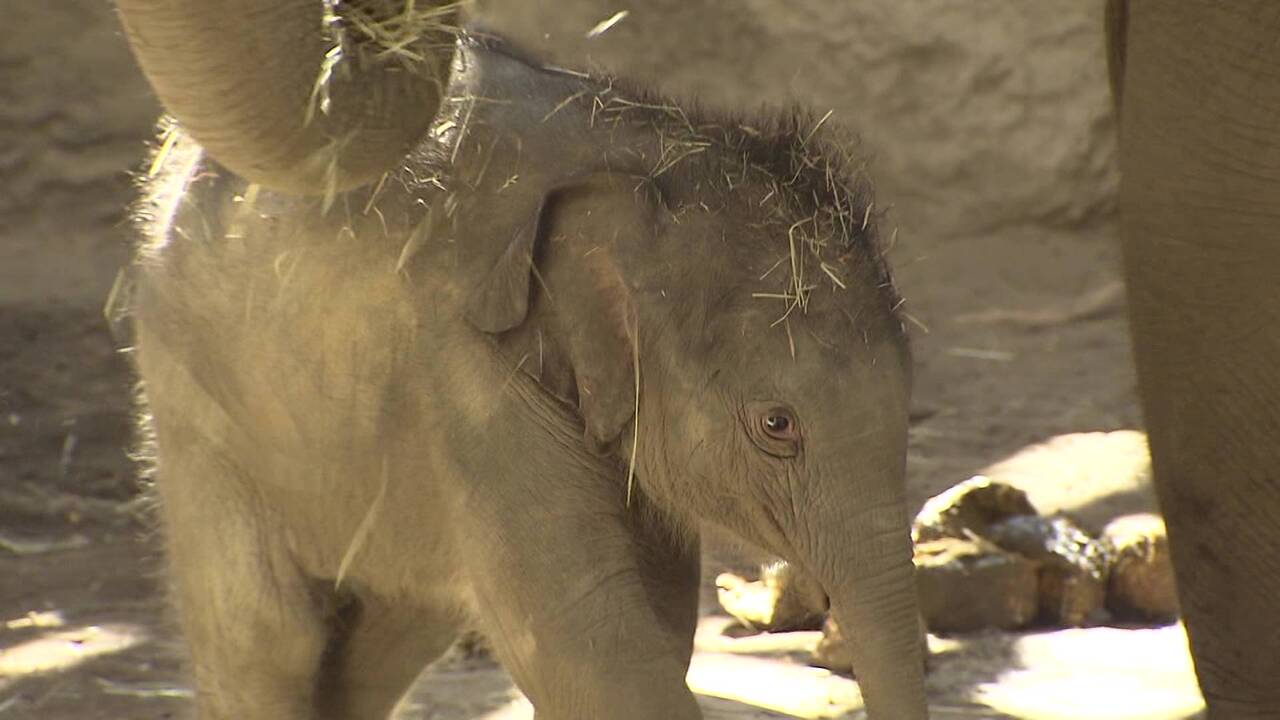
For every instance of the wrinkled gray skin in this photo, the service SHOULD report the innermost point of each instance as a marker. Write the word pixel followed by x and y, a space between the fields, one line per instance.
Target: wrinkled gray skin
pixel 377 424
pixel 1198 85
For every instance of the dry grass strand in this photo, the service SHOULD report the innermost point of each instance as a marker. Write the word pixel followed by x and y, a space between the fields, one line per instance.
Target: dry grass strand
pixel 361 536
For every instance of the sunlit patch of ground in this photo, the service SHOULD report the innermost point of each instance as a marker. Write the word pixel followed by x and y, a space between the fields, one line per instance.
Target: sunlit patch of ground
pixel 1096 673
pixel 784 687
pixel 767 672
pixel 1092 476
pixel 1101 674
pixel 518 709
pixel 63 649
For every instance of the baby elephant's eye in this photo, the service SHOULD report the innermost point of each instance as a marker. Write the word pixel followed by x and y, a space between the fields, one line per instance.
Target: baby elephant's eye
pixel 773 427
pixel 778 424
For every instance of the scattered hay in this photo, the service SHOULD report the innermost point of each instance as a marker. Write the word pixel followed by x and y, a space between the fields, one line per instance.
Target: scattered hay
pixel 373 196
pixel 635 423
pixel 563 104
pixel 462 128
pixel 605 25
pixel 830 271
pixel 816 127
pixel 408 32
pixel 320 98
pixel 398 34
pixel 168 138
pixel 515 371
pixel 417 240
pixel 361 537
pixel 814 180
pixel 118 307
pixel 807 180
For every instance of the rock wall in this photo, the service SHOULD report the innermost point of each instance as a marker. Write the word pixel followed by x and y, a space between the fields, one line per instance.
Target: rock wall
pixel 74 117
pixel 988 123
pixel 979 113
pixel 991 134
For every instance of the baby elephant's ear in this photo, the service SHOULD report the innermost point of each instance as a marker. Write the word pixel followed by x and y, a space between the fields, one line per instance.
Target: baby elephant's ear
pixel 576 325
pixel 600 328
pixel 500 300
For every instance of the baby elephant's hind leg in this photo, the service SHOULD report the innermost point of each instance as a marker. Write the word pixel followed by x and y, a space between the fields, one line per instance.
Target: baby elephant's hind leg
pixel 378 651
pixel 255 630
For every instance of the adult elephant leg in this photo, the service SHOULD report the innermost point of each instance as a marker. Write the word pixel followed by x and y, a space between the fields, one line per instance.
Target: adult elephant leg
pixel 1200 206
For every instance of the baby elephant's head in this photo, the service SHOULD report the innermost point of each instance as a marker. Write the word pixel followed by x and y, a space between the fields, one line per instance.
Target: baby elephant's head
pixel 776 376
pixel 717 306
pixel 712 297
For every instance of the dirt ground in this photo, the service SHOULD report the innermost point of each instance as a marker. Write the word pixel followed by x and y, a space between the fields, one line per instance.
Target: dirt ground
pixel 1026 342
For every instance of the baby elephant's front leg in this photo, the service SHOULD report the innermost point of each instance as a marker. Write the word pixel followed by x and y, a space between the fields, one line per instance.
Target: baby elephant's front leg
pixel 597 650
pixel 575 624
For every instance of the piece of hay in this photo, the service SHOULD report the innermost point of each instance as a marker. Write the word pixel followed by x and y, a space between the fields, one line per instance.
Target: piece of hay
pixel 361 537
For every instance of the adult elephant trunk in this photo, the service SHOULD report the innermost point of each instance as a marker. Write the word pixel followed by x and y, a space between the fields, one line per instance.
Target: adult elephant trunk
pixel 248 79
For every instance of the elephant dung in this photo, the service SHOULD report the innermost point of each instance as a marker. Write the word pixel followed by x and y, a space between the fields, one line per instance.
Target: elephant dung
pixel 1073 565
pixel 998 589
pixel 471 650
pixel 473 645
pixel 782 600
pixel 969 508
pixel 833 651
pixel 1141 585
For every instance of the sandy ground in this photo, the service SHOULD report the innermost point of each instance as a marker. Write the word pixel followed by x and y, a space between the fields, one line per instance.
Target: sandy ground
pixel 85 631
pixel 1026 343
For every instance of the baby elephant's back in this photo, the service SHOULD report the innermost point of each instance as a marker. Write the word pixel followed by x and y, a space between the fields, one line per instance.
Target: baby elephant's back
pixel 276 325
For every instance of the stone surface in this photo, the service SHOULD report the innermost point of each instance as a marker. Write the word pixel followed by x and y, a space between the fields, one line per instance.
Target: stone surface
pixel 1141 584
pixel 1072 565
pixel 74 117
pixel 800 597
pixel 981 112
pixel 967 585
pixel 782 600
pixel 968 508
pixel 833 651
pixel 472 645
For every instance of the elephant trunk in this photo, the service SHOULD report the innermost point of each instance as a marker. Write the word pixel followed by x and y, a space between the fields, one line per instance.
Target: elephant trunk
pixel 249 79
pixel 873 596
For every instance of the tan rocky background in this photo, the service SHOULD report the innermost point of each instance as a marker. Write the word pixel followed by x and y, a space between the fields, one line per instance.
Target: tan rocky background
pixel 988 122
pixel 991 134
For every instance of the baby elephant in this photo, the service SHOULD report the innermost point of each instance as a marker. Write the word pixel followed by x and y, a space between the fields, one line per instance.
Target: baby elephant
pixel 504 378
